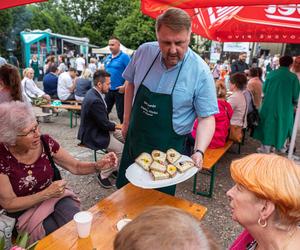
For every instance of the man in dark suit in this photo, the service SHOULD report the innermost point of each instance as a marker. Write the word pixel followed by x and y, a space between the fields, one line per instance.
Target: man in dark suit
pixel 96 130
pixel 240 65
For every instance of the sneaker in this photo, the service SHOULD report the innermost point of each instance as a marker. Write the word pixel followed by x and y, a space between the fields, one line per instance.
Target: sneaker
pixel 114 174
pixel 105 183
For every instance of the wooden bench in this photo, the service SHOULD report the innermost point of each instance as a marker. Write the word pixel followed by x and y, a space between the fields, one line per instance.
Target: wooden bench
pixel 72 109
pixel 71 102
pixel 39 114
pixel 211 158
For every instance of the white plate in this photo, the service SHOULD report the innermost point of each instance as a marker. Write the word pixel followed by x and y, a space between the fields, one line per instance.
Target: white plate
pixel 141 178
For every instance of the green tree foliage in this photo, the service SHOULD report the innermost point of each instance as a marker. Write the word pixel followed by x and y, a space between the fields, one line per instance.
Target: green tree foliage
pixel 95 19
pixel 79 10
pixel 6 20
pixel 135 28
pixel 106 16
pixel 93 35
pixel 55 20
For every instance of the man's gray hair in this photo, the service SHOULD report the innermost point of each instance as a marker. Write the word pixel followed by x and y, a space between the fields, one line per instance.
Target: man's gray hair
pixel 14 117
pixel 175 19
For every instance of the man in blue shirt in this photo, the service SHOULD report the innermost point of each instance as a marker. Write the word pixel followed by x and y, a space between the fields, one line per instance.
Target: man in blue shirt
pixel 171 87
pixel 115 64
pixel 50 82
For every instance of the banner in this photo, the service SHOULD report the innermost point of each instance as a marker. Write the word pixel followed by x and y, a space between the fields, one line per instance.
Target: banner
pixel 236 47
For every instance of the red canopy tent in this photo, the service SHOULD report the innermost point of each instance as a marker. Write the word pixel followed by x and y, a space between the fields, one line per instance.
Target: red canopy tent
pixel 246 23
pixel 4 4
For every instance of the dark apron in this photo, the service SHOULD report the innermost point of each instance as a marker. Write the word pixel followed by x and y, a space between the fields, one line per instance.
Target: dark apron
pixel 150 128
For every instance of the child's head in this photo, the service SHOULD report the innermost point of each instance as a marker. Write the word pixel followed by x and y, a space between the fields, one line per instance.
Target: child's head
pixel 165 228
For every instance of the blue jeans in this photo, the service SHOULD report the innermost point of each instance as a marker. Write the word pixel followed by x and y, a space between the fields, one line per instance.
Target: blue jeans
pixel 114 97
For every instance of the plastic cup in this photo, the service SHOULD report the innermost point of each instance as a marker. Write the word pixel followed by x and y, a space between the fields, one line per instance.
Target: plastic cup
pixel 83 223
pixel 122 223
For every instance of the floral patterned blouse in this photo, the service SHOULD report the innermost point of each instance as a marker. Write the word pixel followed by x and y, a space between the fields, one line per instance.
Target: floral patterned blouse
pixel 28 179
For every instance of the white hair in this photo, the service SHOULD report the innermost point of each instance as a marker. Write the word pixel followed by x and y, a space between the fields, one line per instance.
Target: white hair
pixel 14 117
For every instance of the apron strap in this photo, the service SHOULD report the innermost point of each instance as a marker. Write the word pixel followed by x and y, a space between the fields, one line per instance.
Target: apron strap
pixel 177 77
pixel 150 67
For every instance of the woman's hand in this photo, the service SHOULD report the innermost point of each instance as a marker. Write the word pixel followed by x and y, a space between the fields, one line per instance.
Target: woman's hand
pixel 56 189
pixel 107 161
pixel 47 97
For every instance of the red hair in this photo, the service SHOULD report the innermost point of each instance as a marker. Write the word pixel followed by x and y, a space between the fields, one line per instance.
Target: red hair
pixel 273 178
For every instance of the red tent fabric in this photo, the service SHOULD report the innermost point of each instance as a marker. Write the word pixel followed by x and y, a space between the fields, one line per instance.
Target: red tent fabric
pixel 267 23
pixel 4 4
pixel 188 4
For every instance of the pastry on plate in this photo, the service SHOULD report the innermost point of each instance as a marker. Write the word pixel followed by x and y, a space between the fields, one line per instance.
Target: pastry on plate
pixel 171 170
pixel 144 160
pixel 159 175
pixel 184 166
pixel 157 166
pixel 159 156
pixel 173 155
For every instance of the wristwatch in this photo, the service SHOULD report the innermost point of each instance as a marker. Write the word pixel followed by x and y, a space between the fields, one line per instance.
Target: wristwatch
pixel 199 151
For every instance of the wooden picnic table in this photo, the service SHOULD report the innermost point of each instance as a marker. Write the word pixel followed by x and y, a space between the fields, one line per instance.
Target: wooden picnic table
pixel 71 108
pixel 127 202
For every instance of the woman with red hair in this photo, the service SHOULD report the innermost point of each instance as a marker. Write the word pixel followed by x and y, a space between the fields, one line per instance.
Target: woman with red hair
pixel 266 201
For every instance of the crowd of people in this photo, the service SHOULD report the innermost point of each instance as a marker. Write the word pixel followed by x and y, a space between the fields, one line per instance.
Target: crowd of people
pixel 159 107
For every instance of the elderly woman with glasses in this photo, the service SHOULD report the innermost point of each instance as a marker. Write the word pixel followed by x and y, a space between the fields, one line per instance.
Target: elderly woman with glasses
pixel 266 202
pixel 30 190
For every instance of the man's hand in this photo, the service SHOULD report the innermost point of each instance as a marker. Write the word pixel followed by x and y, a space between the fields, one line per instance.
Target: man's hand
pixel 121 89
pixel 198 160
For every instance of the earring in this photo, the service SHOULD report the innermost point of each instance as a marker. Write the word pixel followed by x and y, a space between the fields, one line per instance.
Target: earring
pixel 260 223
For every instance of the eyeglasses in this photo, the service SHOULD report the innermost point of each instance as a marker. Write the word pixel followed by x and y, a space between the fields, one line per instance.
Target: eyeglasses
pixel 31 131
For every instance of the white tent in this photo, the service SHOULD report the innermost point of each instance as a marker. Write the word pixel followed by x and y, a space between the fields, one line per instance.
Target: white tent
pixel 106 50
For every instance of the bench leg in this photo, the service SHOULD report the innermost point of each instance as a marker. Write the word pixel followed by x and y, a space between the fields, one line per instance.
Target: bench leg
pixel 76 117
pixel 208 194
pixel 71 118
pixel 95 155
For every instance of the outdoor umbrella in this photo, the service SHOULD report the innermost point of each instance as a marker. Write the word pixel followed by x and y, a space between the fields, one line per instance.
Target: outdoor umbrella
pixel 259 23
pixel 241 20
pixel 188 4
pixel 4 4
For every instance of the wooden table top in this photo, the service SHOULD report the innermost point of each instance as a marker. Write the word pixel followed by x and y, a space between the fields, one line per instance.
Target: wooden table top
pixel 212 156
pixel 127 202
pixel 63 106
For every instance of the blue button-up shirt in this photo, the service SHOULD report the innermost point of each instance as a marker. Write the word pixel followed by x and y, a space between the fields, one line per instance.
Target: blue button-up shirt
pixel 194 93
pixel 115 67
